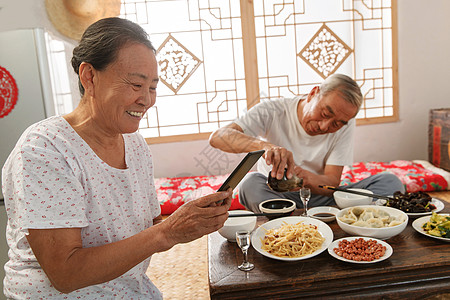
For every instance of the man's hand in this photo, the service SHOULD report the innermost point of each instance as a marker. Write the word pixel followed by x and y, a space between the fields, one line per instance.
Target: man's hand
pixel 231 138
pixel 331 176
pixel 280 158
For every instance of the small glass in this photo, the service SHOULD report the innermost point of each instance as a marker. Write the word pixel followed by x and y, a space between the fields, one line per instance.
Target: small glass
pixel 243 241
pixel 305 194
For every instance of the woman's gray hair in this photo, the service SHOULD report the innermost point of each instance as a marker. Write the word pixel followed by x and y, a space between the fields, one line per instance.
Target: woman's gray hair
pixel 344 85
pixel 101 42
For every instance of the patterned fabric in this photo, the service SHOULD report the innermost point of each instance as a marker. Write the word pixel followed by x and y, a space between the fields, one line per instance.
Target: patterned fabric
pixel 173 192
pixel 413 175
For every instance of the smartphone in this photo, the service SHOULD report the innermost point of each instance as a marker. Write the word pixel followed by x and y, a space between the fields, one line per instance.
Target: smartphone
pixel 239 172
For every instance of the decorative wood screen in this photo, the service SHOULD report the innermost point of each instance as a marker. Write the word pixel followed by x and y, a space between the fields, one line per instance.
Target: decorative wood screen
pixel 219 58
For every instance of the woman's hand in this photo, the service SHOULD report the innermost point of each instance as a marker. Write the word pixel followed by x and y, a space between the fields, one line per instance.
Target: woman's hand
pixel 69 266
pixel 157 220
pixel 196 218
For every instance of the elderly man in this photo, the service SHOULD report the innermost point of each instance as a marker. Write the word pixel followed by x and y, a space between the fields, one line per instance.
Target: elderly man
pixel 309 136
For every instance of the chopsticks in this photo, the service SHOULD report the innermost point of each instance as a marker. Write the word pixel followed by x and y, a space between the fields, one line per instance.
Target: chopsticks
pixel 355 192
pixel 256 215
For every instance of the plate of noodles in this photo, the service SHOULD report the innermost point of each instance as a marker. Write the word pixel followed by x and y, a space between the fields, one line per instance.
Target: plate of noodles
pixel 292 238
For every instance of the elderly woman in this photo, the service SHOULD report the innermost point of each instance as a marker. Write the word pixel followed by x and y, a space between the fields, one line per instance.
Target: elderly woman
pixel 83 217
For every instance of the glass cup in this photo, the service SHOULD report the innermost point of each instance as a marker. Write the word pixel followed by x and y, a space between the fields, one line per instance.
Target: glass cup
pixel 305 194
pixel 243 241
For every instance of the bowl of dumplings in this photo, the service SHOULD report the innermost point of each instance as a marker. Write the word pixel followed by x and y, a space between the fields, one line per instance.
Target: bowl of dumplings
pixel 378 222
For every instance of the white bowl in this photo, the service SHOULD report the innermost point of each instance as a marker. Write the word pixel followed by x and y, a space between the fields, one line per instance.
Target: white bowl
pixel 232 225
pixel 324 213
pixel 344 199
pixel 378 233
pixel 280 207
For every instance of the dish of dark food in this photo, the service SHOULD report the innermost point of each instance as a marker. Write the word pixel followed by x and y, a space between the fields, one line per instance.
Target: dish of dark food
pixel 437 203
pixel 418 202
pixel 323 213
pixel 284 184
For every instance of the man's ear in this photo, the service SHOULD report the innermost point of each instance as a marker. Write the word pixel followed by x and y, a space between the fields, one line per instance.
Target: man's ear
pixel 314 92
pixel 86 73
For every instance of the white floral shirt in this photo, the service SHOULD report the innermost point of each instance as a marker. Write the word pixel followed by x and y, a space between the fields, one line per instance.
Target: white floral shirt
pixel 53 179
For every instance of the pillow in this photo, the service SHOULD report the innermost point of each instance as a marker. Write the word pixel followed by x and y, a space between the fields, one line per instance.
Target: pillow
pixel 415 175
pixel 174 192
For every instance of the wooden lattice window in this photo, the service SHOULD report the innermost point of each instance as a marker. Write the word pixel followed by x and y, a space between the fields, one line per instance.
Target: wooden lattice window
pixel 219 58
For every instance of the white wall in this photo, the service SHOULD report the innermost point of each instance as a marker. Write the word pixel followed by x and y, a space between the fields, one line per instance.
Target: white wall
pixel 424 69
pixel 424 74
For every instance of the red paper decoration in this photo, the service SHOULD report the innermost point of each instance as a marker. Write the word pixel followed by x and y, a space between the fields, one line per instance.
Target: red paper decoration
pixel 8 92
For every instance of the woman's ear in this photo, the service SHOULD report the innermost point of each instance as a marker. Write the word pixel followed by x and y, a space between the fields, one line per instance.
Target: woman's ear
pixel 86 73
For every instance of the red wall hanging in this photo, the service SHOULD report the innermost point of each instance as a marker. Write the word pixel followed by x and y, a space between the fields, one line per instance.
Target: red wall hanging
pixel 8 92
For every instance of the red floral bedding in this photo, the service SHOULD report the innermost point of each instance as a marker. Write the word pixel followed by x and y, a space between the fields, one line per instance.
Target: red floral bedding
pixel 415 176
pixel 174 192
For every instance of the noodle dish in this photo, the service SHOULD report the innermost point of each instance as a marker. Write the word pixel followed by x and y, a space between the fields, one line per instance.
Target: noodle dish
pixel 292 238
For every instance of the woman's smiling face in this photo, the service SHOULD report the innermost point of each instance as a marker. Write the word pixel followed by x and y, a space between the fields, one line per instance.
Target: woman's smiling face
pixel 328 113
pixel 126 89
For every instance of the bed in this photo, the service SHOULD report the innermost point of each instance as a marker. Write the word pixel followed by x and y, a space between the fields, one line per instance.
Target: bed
pixel 416 175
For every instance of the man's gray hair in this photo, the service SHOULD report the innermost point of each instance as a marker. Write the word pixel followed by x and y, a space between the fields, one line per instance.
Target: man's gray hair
pixel 344 85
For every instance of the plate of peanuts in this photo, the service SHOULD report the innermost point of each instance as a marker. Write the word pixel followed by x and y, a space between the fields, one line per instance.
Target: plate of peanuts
pixel 360 250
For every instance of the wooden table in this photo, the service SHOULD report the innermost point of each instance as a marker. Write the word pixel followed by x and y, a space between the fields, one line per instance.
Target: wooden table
pixel 418 268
